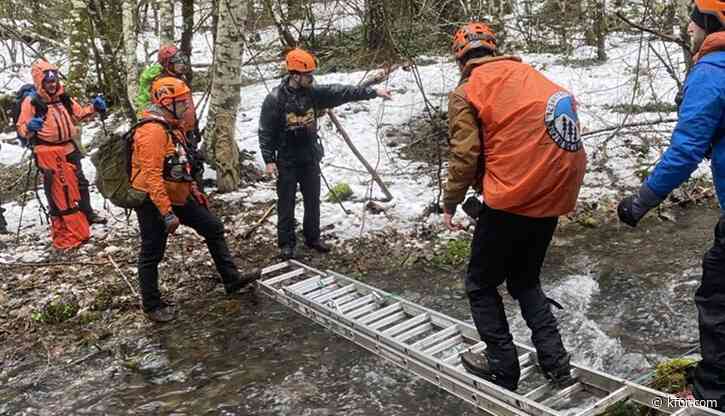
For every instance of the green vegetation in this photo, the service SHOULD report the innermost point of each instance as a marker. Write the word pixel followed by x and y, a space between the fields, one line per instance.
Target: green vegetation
pixel 56 311
pixel 652 107
pixel 455 253
pixel 340 192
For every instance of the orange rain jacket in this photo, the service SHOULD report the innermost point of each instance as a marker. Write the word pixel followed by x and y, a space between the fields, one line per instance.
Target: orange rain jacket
pixel 151 146
pixel 533 158
pixel 59 126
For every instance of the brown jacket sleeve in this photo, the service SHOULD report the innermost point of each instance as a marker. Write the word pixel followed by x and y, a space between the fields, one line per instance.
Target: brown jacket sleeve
pixel 150 144
pixel 464 140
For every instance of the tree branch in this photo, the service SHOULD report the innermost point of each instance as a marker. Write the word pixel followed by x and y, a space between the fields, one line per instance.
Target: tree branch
pixel 664 36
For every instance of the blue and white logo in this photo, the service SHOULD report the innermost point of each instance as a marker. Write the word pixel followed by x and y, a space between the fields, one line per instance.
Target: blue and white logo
pixel 562 121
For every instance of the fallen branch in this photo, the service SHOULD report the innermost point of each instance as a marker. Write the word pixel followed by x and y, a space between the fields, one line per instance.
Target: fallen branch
pixel 638 124
pixel 664 36
pixel 118 269
pixel 259 222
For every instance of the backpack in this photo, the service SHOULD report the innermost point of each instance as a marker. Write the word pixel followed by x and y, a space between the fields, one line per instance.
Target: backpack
pixel 113 167
pixel 143 98
pixel 41 108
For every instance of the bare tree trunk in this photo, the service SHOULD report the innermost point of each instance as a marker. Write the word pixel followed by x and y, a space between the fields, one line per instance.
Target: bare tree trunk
pixel 187 31
pixel 78 49
pixel 683 13
pixel 600 28
pixel 166 21
pixel 129 48
pixel 221 148
pixel 377 34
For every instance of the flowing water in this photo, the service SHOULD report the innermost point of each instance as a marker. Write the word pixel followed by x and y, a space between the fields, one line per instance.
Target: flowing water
pixel 628 303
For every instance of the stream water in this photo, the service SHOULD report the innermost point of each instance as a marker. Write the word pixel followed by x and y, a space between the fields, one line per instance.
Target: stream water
pixel 628 298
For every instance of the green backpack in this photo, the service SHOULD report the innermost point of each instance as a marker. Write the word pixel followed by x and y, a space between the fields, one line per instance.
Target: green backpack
pixel 143 98
pixel 113 168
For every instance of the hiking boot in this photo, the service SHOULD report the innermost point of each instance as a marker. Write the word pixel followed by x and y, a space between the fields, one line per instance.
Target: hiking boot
pixel 94 218
pixel 560 376
pixel 287 253
pixel 164 313
pixel 318 246
pixel 478 364
pixel 244 280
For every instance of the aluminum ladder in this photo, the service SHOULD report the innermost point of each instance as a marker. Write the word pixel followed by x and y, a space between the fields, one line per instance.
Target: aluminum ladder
pixel 428 344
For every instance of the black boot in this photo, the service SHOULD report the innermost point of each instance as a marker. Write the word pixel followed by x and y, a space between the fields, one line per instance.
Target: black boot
pixel 560 375
pixel 164 313
pixel 481 366
pixel 244 280
pixel 94 218
pixel 318 246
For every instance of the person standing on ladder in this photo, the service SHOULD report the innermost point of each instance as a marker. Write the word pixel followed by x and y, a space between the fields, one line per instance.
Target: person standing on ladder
pixel 520 132
pixel 699 131
pixel 49 117
pixel 291 148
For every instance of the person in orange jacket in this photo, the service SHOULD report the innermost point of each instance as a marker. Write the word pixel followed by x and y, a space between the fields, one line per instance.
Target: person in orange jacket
pixel 520 132
pixel 161 166
pixel 58 125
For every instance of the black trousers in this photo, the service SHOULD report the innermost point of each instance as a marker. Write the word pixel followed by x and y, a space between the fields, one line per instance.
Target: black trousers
pixel 511 248
pixel 308 177
pixel 153 246
pixel 85 202
pixel 709 380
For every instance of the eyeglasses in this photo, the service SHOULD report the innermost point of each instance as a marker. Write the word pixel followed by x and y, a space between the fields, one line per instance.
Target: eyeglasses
pixel 50 75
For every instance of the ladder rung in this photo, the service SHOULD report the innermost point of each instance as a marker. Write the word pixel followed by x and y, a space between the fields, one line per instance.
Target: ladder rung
pixel 285 276
pixel 396 317
pixel 526 359
pixel 440 335
pixel 356 303
pixel 381 313
pixel 604 403
pixel 315 286
pixel 445 345
pixel 274 268
pixel 360 312
pixel 538 392
pixel 318 293
pixel 295 286
pixel 564 394
pixel 344 300
pixel 412 333
pixel 526 372
pixel 404 326
pixel 342 291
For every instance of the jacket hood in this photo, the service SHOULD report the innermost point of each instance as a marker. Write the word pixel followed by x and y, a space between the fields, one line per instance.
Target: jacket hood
pixel 154 111
pixel 37 71
pixel 713 43
pixel 473 63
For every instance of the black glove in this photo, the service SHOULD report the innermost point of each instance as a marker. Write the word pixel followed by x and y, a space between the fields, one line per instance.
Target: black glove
pixel 632 208
pixel 171 222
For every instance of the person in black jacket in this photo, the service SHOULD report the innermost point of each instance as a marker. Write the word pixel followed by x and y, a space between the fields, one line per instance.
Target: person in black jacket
pixel 290 145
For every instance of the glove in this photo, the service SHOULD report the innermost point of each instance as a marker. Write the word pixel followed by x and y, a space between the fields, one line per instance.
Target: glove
pixel 35 124
pixel 171 222
pixel 632 208
pixel 199 197
pixel 100 104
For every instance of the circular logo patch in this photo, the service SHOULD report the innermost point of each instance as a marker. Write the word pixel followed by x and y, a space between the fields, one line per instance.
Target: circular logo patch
pixel 562 122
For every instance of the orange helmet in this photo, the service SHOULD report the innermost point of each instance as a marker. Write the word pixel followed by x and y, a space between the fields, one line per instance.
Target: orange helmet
pixel 299 60
pixel 167 91
pixel 712 7
pixel 473 36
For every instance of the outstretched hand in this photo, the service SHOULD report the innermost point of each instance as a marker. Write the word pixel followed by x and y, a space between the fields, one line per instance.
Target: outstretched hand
pixel 383 93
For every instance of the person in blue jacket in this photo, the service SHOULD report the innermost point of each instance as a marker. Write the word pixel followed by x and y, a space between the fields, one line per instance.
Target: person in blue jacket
pixel 699 131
